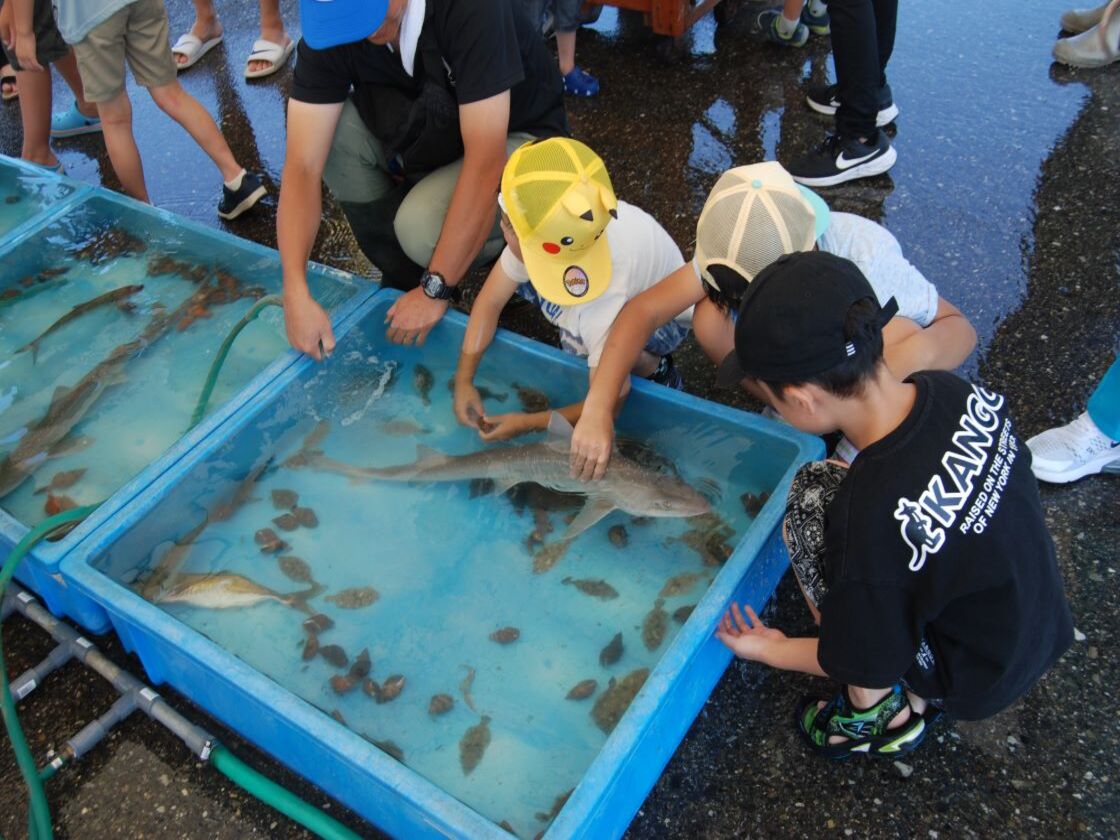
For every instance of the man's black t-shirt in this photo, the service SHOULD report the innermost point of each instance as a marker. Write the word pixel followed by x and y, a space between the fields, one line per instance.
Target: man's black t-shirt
pixel 485 46
pixel 939 565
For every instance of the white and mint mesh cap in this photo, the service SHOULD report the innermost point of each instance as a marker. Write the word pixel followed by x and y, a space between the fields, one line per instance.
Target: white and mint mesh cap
pixel 753 215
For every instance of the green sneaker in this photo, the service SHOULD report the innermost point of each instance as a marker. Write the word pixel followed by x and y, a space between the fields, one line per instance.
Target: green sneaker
pixel 866 730
pixel 767 23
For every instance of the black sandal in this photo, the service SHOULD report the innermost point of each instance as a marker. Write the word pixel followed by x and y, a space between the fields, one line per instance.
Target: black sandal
pixel 865 730
pixel 8 78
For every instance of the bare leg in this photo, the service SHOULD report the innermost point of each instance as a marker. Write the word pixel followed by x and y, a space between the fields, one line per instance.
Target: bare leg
pixel 206 24
pixel 68 68
pixel 116 125
pixel 35 112
pixel 186 110
pixel 272 29
pixel 566 51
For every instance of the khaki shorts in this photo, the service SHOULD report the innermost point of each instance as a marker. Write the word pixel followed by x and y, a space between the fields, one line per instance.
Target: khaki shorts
pixel 138 32
pixel 49 46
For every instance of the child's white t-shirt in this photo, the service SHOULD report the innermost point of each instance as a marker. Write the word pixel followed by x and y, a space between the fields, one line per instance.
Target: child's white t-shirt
pixel 642 254
pixel 879 256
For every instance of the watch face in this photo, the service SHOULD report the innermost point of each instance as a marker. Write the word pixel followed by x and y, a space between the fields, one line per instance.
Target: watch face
pixel 433 285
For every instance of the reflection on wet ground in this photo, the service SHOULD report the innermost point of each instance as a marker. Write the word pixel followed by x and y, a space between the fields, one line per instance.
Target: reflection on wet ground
pixel 1004 195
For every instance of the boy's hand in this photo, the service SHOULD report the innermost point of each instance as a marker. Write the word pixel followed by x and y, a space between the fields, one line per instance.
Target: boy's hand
pixel 748 638
pixel 6 34
pixel 25 50
pixel 506 426
pixel 412 317
pixel 468 404
pixel 592 440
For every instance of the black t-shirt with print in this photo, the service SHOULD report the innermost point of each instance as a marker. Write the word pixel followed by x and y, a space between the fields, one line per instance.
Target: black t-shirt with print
pixel 939 565
pixel 486 46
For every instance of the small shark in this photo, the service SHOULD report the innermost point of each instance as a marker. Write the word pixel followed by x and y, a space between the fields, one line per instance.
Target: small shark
pixel 69 405
pixel 627 486
pixel 45 439
pixel 225 590
pixel 119 297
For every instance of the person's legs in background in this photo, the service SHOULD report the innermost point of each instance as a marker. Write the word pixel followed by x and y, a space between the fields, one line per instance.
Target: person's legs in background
pixel 859 149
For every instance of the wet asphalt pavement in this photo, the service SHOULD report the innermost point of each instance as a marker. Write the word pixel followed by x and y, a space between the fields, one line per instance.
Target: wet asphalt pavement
pixel 1005 195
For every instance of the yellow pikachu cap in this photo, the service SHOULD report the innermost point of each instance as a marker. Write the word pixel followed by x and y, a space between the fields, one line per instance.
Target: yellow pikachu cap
pixel 559 200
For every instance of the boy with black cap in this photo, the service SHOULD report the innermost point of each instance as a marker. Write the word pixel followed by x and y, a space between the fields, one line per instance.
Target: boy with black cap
pixel 926 562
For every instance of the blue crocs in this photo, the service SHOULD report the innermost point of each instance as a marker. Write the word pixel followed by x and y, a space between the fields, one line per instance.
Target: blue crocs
pixel 73 122
pixel 581 83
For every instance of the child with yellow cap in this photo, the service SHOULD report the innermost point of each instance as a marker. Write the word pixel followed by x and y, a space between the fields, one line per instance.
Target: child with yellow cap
pixel 578 252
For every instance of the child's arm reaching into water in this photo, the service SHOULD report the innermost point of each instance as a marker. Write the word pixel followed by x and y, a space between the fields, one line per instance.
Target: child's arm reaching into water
pixel 748 638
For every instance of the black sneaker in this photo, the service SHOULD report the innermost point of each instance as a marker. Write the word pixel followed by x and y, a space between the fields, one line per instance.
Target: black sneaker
pixel 837 160
pixel 236 202
pixel 823 100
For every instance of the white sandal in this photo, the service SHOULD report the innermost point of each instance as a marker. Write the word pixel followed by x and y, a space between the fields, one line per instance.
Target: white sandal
pixel 194 48
pixel 275 54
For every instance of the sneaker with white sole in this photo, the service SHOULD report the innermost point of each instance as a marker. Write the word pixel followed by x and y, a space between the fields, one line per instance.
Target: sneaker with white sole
pixel 1077 21
pixel 1090 49
pixel 236 202
pixel 824 100
pixel 1075 450
pixel 818 24
pixel 767 24
pixel 838 160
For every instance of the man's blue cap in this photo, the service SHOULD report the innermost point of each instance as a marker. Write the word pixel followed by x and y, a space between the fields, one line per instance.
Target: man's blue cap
pixel 328 23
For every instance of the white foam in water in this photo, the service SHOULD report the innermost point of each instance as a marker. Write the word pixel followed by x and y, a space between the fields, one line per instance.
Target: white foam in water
pixel 449 569
pixel 382 383
pixel 147 404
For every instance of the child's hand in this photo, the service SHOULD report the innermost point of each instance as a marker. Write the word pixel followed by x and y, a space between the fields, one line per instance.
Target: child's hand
pixel 505 426
pixel 748 638
pixel 592 440
pixel 25 50
pixel 468 405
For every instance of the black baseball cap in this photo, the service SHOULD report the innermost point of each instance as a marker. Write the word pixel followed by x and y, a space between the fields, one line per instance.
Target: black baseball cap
pixel 791 319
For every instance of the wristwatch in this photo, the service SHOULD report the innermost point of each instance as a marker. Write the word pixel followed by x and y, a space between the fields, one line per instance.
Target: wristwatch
pixel 436 287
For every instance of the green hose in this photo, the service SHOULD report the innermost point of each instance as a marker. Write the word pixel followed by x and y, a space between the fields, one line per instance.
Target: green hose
pixel 39 816
pixel 282 799
pixel 223 351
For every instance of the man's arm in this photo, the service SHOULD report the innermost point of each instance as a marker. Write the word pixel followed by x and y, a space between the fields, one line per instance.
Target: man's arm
pixel 310 132
pixel 630 332
pixel 943 345
pixel 483 323
pixel 470 216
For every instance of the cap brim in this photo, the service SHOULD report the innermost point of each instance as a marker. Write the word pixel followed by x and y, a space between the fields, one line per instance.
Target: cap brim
pixel 821 214
pixel 730 374
pixel 557 278
pixel 330 23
